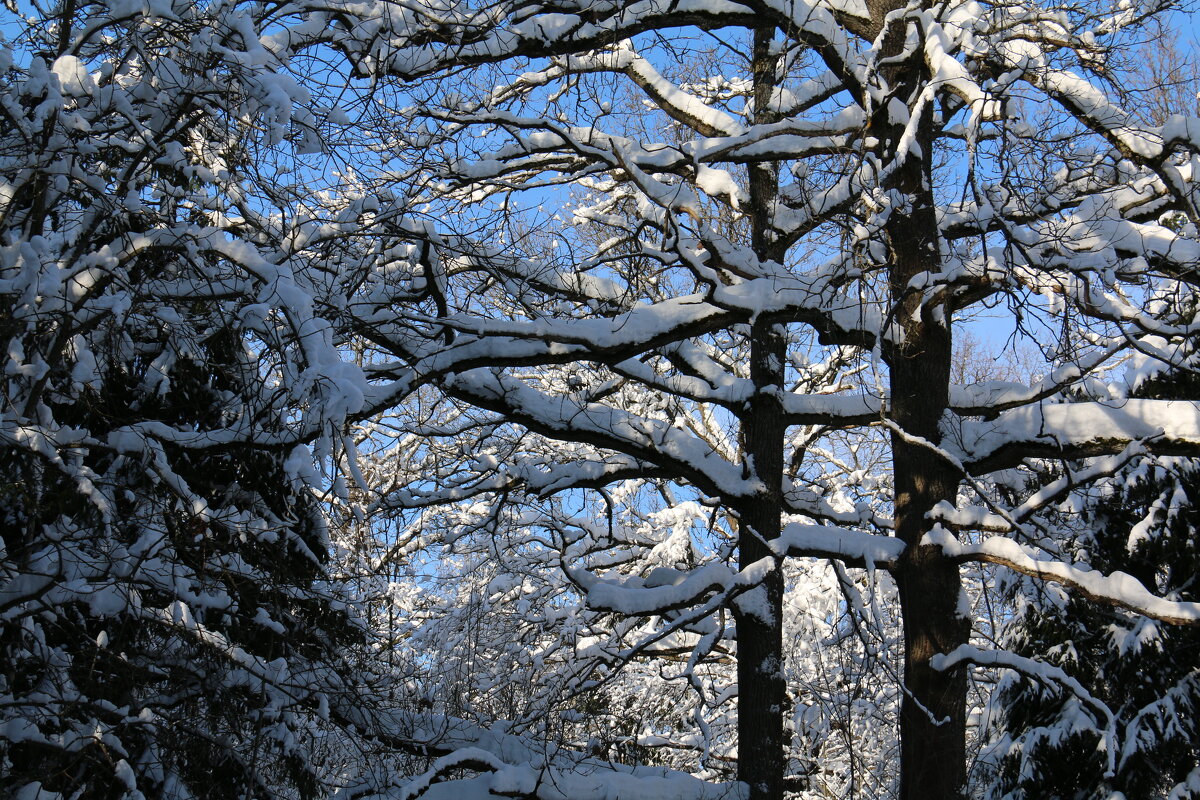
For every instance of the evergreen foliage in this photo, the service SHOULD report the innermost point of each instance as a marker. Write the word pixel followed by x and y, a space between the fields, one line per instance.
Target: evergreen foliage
pixel 168 626
pixel 1146 525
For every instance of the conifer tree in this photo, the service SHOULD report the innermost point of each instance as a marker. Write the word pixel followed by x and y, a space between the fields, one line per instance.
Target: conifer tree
pixel 1051 742
pixel 168 624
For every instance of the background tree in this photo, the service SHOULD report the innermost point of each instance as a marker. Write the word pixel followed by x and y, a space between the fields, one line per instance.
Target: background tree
pixel 1137 674
pixel 168 622
pixel 1051 741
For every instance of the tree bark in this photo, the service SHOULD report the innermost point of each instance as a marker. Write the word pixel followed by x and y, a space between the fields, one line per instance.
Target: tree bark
pixel 933 708
pixel 758 614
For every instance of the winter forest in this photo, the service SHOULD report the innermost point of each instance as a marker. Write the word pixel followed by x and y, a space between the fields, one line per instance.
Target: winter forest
pixel 599 400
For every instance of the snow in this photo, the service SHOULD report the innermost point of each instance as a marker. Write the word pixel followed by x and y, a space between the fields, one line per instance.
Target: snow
pixel 583 785
pixel 1071 427
pixel 1117 588
pixel 634 596
pixel 1047 673
pixel 73 76
pixel 719 183
pixel 1188 787
pixel 507 764
pixel 467 757
pixel 1094 106
pixel 679 104
pixel 798 539
pixel 621 430
pixel 1040 671
pixel 34 791
pixel 972 518
pixel 664 576
pixel 846 406
pixel 855 8
pixel 1181 130
pixel 756 603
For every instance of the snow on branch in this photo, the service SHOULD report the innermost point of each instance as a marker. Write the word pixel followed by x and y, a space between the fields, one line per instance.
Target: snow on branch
pixel 542 783
pixel 466 758
pixel 654 441
pixel 492 342
pixel 984 519
pixel 826 541
pixel 680 105
pixel 471 36
pixel 1047 674
pixel 1117 588
pixel 1075 430
pixel 506 765
pixel 668 589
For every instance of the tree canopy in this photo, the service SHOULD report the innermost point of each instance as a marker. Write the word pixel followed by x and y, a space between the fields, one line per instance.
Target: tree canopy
pixel 561 399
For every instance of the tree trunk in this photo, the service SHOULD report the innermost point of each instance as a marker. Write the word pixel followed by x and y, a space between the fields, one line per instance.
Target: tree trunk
pixel 758 614
pixel 933 709
pixel 762 694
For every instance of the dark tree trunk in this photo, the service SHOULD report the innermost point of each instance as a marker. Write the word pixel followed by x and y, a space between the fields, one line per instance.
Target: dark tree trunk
pixel 933 709
pixel 762 693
